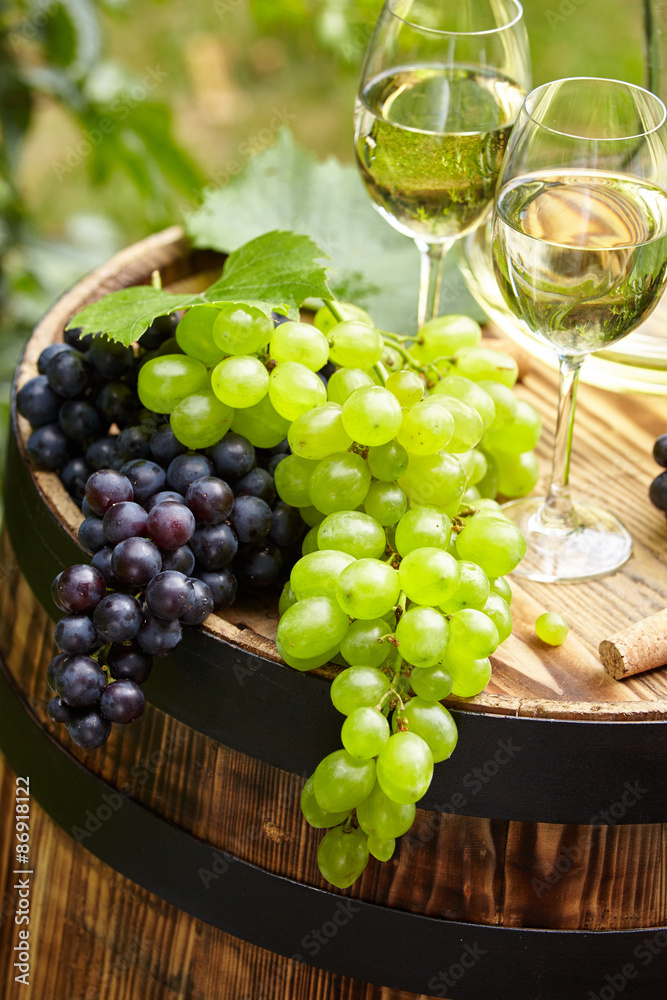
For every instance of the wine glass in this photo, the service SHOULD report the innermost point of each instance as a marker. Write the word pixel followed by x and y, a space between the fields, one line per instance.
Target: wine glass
pixel 441 86
pixel 580 255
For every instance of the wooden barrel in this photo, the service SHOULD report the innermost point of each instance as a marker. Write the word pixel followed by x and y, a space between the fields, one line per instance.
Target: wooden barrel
pixel 174 862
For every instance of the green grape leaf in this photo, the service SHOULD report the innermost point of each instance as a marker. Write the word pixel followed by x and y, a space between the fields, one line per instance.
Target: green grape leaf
pixel 275 273
pixel 288 188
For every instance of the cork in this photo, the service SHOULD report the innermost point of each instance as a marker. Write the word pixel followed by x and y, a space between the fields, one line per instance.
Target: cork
pixel 640 647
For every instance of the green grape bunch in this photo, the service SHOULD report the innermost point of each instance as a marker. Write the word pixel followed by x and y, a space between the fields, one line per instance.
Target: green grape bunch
pixel 402 577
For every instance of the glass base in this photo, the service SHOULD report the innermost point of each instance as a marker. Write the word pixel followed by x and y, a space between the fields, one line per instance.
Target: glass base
pixel 595 546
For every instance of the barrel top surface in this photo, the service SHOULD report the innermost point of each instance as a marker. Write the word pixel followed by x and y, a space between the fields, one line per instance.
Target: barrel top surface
pixel 612 464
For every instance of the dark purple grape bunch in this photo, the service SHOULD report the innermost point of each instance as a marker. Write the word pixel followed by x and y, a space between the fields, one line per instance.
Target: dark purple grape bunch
pixel 658 489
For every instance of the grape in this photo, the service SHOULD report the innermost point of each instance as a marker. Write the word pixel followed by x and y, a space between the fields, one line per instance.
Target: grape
pixel 185 469
pixel 292 478
pixel 304 663
pixel 162 328
pixel 363 645
pixel 385 502
pixel 54 666
pixel 499 613
pixel 287 599
pixel 551 628
pixel 170 525
pixel 358 687
pixel 475 465
pixel 434 724
pixel 381 817
pixel 367 589
pixel 312 626
pixel 210 500
pixel 422 527
pixel 319 433
pixel 469 676
pixel 405 768
pixel 309 543
pixel 117 618
pixel 355 533
pixel 68 373
pixel 341 781
pixel 49 352
pixel 261 424
pixel 355 345
pixel 294 389
pixel 135 561
pixel 164 496
pixel 315 575
pixel 194 334
pixel 157 638
pixel 122 701
pixel 181 560
pixel 102 454
pixel 134 442
pixel 105 488
pixel 286 524
pixel 444 335
pixel 146 477
pixel 89 730
pixel 473 590
pixel 251 519
pixel 91 534
pixel 258 483
pixel 381 849
pixel 110 358
pixel 74 476
pixel 325 319
pixel 129 662
pixel 372 415
pixel 37 402
pixel 80 588
pixel 521 434
pixel 80 681
pixel 166 380
pixel 471 393
pixel 339 482
pixel 468 426
pixel 202 603
pixel 434 479
pixel 75 634
pixel 431 683
pixel 504 400
pixel 660 451
pixel 169 595
pixel 200 420
pixel 222 584
pixel 407 386
pixel 260 564
pixel 299 342
pixel 365 733
pixel 123 520
pixel 474 632
pixel 422 636
pixel 314 814
pixel 388 461
pixel 343 383
pixel 58 711
pixel 214 545
pixel 342 856
pixel 240 381
pixel 658 491
pixel 429 576
pixel 427 427
pixel 517 474
pixel 102 562
pixel 48 447
pixel 501 587
pixel 165 446
pixel 118 402
pixel 241 329
pixel 482 363
pixel 495 544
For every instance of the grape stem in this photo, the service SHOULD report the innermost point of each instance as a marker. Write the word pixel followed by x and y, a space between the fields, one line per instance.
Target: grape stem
pixel 402 351
pixel 381 372
pixel 401 606
pixel 333 310
pixel 156 280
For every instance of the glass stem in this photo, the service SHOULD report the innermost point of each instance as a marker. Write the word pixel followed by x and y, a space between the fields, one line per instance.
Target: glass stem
pixel 557 511
pixel 430 279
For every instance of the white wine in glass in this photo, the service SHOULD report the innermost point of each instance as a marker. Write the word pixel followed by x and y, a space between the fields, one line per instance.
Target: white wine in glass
pixel 441 87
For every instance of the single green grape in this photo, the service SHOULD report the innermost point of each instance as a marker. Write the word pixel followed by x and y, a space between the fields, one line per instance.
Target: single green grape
pixel 381 849
pixel 353 532
pixel 261 424
pixel 309 543
pixel 468 392
pixel 342 856
pixel 434 480
pixel 292 479
pixel 501 616
pixel 358 687
pixel 194 335
pixel 386 502
pixel 304 663
pixel 473 632
pixel 343 383
pixel 287 599
pixel 341 781
pixel 294 389
pixel 339 482
pixel 355 345
pixel 381 817
pixel 427 427
pixel 241 329
pixel 406 386
pixel 517 474
pixel 435 725
pixel 475 464
pixel 422 636
pixel 488 485
pixel 468 426
pixel 504 400
pixel 520 434
pixel 312 626
pixel 364 643
pixel 473 590
pixel 469 676
pixel 319 433
pixel 431 683
pixel 422 527
pixel 494 543
pixel 299 342
pixel 429 576
pixel 240 381
pixel 405 768
pixel 388 461
pixel 444 335
pixel 315 575
pixel 501 587
pixel 201 420
pixel 169 378
pixel 310 515
pixel 325 319
pixel 551 628
pixel 367 588
pixel 365 733
pixel 314 814
pixel 483 363
pixel 372 416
